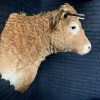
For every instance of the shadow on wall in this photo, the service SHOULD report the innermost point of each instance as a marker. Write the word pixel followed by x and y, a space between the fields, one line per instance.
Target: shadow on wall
pixel 94 98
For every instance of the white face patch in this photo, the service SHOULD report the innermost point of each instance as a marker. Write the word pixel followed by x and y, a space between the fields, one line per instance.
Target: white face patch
pixel 73 28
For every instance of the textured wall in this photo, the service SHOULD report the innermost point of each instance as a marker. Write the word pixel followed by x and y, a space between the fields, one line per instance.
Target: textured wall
pixel 63 76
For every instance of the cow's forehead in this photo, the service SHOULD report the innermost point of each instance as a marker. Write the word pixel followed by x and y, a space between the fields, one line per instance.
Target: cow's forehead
pixel 73 19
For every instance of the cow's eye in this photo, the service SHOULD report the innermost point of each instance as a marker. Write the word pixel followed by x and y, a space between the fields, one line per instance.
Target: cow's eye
pixel 73 28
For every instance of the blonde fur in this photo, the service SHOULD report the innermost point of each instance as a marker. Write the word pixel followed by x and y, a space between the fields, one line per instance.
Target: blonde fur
pixel 27 40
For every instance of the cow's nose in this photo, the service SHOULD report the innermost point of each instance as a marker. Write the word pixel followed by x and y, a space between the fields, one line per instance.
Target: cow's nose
pixel 86 49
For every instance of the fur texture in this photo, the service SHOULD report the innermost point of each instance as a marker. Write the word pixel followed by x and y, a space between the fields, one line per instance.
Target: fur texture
pixel 27 40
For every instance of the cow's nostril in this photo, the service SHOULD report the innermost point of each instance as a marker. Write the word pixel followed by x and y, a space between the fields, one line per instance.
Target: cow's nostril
pixel 89 47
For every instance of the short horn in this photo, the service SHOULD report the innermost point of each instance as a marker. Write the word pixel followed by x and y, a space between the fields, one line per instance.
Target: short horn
pixel 81 18
pixel 82 15
pixel 75 14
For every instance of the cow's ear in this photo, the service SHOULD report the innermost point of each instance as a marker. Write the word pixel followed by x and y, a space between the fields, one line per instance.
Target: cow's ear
pixel 62 13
